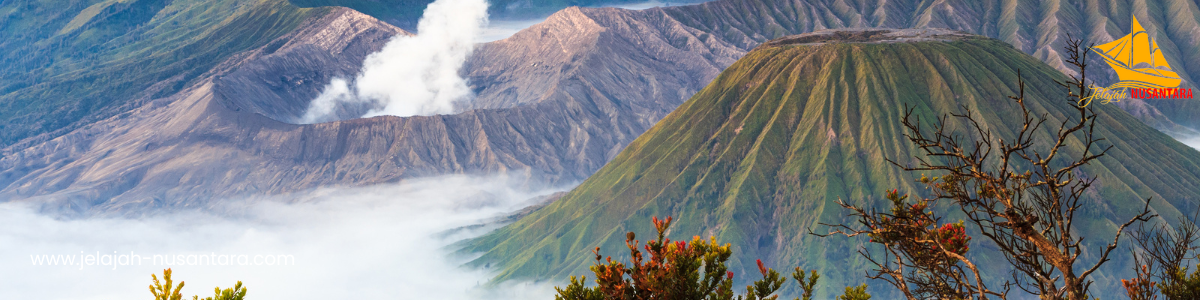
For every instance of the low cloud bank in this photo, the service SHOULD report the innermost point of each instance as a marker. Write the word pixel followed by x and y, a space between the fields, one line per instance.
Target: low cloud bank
pixel 411 75
pixel 1187 136
pixel 382 242
pixel 502 29
pixel 1192 140
pixel 651 4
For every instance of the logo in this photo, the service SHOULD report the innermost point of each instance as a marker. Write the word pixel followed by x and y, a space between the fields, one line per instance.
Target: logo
pixel 1141 68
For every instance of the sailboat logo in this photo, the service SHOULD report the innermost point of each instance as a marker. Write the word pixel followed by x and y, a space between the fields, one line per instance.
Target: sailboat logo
pixel 1138 61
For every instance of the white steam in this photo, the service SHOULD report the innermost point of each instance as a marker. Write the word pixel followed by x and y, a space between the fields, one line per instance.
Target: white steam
pixel 383 242
pixel 412 75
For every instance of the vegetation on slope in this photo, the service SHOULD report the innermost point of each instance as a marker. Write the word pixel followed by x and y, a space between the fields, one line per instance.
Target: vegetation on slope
pixel 679 270
pixel 69 63
pixel 765 151
pixel 162 290
pixel 1038 28
pixel 1020 197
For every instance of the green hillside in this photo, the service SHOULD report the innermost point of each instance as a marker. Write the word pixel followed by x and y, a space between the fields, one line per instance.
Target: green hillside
pixel 760 156
pixel 1039 28
pixel 67 63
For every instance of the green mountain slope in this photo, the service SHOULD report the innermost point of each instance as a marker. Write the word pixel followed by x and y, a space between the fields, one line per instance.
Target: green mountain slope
pixel 760 156
pixel 70 63
pixel 1038 28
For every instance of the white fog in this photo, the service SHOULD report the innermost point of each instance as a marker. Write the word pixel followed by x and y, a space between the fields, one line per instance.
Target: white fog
pixel 381 242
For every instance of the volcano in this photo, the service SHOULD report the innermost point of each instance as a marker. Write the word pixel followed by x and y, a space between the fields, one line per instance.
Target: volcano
pixel 760 156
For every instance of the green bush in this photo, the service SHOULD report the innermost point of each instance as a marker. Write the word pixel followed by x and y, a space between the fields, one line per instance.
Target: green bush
pixel 678 270
pixel 855 293
pixel 162 290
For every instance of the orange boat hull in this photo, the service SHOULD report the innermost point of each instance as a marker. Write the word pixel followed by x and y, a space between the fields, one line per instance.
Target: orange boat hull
pixel 1153 77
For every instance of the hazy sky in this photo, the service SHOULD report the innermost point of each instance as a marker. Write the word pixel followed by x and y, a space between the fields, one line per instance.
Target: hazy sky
pixel 501 29
pixel 652 4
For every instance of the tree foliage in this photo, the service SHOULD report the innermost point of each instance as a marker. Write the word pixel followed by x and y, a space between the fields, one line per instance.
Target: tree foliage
pixel 163 290
pixel 1141 287
pixel 806 285
pixel 1021 193
pixel 855 293
pixel 675 270
pixel 922 259
pixel 1165 253
pixel 236 293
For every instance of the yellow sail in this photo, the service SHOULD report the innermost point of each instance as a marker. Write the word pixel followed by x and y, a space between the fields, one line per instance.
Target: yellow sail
pixel 1137 60
pixel 1113 48
pixel 1159 62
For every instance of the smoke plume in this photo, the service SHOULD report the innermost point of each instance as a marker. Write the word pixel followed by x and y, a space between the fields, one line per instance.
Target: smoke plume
pixel 412 75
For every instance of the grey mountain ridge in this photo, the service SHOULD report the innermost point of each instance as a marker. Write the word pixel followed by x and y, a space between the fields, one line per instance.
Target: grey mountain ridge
pixel 554 102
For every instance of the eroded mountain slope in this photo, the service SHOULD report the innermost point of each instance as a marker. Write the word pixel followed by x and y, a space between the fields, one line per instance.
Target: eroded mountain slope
pixel 762 155
pixel 220 138
pixel 554 102
pixel 68 64
pixel 698 40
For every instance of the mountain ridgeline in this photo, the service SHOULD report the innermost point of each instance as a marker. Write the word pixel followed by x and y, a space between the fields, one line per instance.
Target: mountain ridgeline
pixel 761 155
pixel 1039 28
pixel 69 64
pixel 226 136
pixel 406 13
pixel 85 80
